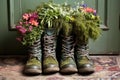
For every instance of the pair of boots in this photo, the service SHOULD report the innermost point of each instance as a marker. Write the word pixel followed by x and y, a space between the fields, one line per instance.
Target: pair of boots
pixel 48 63
pixel 75 57
pixel 42 57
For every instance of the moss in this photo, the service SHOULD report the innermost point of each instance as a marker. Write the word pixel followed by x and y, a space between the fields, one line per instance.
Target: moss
pixel 67 61
pixel 85 28
pixel 33 61
pixel 49 60
pixel 83 60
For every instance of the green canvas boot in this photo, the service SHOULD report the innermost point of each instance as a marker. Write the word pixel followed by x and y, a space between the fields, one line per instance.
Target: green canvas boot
pixel 33 65
pixel 50 63
pixel 84 63
pixel 67 62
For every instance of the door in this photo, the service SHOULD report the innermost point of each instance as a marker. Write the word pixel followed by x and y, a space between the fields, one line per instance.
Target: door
pixel 109 11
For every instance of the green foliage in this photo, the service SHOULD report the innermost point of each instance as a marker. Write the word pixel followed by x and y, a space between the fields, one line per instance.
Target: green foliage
pixel 56 16
pixel 29 28
pixel 48 12
pixel 81 21
pixel 86 29
pixel 66 20
pixel 66 28
pixel 85 26
pixel 30 37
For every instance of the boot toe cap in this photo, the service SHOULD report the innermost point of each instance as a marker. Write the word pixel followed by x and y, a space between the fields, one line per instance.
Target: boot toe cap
pixel 86 68
pixel 32 69
pixel 68 69
pixel 51 68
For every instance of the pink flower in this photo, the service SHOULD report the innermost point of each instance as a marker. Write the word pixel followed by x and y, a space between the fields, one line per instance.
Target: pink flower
pixel 20 23
pixel 30 14
pixel 26 23
pixel 94 11
pixel 33 22
pixel 19 38
pixel 30 28
pixel 89 10
pixel 25 16
pixel 18 27
pixel 34 15
pixel 22 30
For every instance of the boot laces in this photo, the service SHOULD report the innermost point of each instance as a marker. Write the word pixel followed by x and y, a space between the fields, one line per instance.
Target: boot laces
pixel 67 46
pixel 35 50
pixel 49 45
pixel 83 51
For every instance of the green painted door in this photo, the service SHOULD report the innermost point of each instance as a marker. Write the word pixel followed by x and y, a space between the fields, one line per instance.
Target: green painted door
pixel 109 41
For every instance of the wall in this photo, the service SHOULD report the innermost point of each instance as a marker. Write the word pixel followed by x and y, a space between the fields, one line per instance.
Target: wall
pixel 109 40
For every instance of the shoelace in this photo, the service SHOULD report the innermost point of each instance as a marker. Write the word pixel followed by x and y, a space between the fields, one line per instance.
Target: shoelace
pixel 83 51
pixel 35 50
pixel 67 46
pixel 49 45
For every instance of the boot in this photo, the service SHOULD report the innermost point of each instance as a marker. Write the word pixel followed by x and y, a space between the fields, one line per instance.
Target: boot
pixel 33 65
pixel 84 63
pixel 67 62
pixel 50 63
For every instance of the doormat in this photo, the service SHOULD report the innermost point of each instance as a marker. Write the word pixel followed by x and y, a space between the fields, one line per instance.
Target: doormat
pixel 106 68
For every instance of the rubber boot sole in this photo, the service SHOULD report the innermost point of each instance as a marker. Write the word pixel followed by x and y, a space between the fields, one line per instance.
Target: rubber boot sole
pixel 51 70
pixel 86 70
pixel 68 70
pixel 32 71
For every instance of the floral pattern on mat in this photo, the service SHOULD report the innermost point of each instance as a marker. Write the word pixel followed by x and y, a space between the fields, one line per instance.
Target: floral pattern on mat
pixel 107 68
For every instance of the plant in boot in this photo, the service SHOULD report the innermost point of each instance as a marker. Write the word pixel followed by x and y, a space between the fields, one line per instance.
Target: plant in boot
pixel 28 28
pixel 67 61
pixel 84 63
pixel 29 35
pixel 33 65
pixel 49 15
pixel 85 25
pixel 50 63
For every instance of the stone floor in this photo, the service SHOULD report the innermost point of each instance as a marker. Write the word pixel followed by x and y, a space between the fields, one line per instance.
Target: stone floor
pixel 106 68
